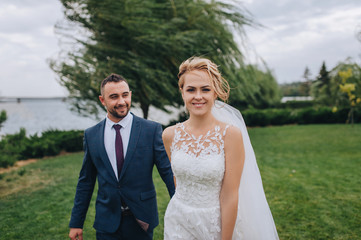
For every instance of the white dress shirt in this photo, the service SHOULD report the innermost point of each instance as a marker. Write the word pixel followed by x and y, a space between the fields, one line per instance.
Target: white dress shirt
pixel 109 138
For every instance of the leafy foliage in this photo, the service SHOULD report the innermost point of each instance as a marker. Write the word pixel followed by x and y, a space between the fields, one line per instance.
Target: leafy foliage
pixel 350 90
pixel 146 41
pixel 295 89
pixel 261 92
pixel 309 115
pixel 3 118
pixel 331 87
pixel 321 87
pixel 18 146
pixel 11 146
pixel 296 104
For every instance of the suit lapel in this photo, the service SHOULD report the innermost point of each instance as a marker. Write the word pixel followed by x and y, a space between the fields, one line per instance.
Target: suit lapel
pixel 132 145
pixel 103 153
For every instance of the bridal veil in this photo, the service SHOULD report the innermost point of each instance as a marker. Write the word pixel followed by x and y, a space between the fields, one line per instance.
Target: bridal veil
pixel 254 218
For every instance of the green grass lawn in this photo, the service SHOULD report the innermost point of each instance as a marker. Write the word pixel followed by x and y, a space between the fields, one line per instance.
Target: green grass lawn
pixel 311 176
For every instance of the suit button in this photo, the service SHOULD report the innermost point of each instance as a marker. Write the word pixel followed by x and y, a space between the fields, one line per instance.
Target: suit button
pixel 118 186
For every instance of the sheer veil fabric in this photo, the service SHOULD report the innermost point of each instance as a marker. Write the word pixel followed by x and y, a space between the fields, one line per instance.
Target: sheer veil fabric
pixel 254 218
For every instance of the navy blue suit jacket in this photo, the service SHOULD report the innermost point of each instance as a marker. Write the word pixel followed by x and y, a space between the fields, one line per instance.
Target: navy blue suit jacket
pixel 135 186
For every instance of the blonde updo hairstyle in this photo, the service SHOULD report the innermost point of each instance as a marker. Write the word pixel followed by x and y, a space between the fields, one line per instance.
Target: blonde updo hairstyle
pixel 219 84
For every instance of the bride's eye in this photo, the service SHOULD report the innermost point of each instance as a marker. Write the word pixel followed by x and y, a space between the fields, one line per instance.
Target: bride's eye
pixel 190 90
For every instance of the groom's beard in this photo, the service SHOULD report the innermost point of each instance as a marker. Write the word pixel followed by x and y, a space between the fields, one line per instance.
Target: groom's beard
pixel 117 114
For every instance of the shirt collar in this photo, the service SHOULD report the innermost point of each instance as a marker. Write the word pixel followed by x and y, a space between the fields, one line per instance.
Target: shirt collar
pixel 124 122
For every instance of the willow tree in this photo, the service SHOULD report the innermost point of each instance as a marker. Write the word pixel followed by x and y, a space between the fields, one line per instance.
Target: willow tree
pixel 262 91
pixel 145 41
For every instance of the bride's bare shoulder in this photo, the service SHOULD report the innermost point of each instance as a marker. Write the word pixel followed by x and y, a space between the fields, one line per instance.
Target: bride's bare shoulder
pixel 229 130
pixel 233 141
pixel 233 133
pixel 168 133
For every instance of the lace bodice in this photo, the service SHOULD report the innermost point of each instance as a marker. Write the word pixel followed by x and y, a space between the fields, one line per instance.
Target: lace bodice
pixel 198 165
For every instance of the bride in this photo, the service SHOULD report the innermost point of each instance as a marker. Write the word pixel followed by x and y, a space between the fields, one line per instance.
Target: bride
pixel 219 192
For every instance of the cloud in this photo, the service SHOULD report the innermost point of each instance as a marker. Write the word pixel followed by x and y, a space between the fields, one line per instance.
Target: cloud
pixel 26 40
pixel 296 34
pixel 305 33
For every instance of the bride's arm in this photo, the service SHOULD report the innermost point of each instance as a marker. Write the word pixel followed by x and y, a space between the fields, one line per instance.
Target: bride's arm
pixel 167 136
pixel 234 153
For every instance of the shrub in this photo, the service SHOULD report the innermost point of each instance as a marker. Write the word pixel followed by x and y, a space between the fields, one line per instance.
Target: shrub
pixel 325 115
pixel 7 160
pixel 3 118
pixel 310 115
pixel 37 147
pixel 12 145
pixel 297 104
pixel 17 146
pixel 281 116
pixel 254 117
pixel 70 141
pixel 257 117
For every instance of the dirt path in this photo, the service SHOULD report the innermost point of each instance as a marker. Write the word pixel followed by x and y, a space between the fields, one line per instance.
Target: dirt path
pixel 17 165
pixel 22 163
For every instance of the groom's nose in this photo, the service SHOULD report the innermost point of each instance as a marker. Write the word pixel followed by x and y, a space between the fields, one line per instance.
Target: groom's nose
pixel 121 101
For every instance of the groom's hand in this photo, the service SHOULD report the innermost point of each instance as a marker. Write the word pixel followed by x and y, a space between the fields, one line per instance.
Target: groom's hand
pixel 76 234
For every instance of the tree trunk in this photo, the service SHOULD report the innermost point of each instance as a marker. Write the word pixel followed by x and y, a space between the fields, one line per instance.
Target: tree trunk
pixel 145 109
pixel 350 117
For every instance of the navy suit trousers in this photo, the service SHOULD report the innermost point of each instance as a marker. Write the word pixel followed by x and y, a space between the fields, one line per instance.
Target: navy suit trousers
pixel 129 229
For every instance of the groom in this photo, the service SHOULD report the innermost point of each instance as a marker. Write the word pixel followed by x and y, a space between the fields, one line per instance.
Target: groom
pixel 120 152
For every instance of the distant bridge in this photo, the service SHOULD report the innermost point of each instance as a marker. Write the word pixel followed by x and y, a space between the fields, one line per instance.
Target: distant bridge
pixel 25 99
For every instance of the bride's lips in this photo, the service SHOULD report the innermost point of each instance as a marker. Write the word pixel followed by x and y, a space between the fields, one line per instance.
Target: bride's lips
pixel 198 104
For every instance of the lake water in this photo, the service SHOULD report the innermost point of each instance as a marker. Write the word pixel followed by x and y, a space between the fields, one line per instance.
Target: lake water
pixel 38 115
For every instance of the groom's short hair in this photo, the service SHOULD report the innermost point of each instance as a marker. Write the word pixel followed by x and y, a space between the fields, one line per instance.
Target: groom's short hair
pixel 112 78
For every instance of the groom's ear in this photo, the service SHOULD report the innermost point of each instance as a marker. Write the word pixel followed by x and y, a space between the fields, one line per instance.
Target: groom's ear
pixel 101 98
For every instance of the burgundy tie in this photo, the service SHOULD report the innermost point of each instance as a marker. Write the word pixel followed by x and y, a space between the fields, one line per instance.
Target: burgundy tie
pixel 118 148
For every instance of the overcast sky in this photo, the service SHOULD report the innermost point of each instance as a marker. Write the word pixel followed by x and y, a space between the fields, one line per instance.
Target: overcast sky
pixel 296 34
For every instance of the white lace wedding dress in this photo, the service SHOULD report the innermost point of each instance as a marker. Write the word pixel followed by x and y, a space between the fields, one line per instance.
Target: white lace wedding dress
pixel 198 163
